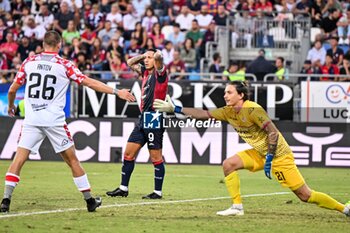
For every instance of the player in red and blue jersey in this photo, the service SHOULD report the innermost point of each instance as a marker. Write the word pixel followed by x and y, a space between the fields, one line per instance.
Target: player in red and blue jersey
pixel 154 86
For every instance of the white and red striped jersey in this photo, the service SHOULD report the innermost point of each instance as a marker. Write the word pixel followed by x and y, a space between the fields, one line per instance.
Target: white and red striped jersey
pixel 47 77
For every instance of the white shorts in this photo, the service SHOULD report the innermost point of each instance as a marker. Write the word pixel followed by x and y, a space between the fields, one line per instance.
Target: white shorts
pixel 32 136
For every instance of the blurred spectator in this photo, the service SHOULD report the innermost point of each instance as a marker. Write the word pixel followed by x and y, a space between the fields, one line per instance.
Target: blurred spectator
pixel 188 55
pixel 34 31
pixel 86 11
pixel 133 50
pixel 54 6
pixel 185 19
pixel 24 48
pixel 140 7
pixel 332 4
pixel 280 70
pixel 215 67
pixel 45 18
pixel 98 56
pixel 149 19
pixel 168 53
pixel 176 66
pixel 243 28
pixel 70 33
pixel 62 17
pixel 66 51
pixel 3 63
pixel 3 28
pixel 123 5
pixel 317 54
pixel 157 36
pixel 196 35
pixel 176 37
pixel 335 52
pixel 317 10
pixel 233 73
pixel 119 68
pixel 260 66
pixel 115 17
pixel 344 27
pixel 76 48
pixel 130 19
pixel 249 6
pixel 105 7
pixel 9 48
pixel 329 23
pixel 194 6
pixel 149 45
pixel 345 69
pixel 114 49
pixel 177 5
pixel 212 6
pixel 231 6
pixel 88 37
pixel 302 9
pixel 308 69
pixel 4 7
pixel 209 36
pixel 221 17
pixel 17 7
pixel 106 34
pixel 25 15
pixel 265 6
pixel 329 68
pixel 95 18
pixel 82 63
pixel 204 18
pixel 163 10
pixel 17 30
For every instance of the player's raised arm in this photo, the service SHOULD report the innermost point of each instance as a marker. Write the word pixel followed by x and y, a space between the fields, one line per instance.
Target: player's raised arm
pixel 168 106
pixel 133 63
pixel 102 87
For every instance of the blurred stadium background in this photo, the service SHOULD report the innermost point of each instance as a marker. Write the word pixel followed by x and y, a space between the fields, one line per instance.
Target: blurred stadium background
pixel 294 54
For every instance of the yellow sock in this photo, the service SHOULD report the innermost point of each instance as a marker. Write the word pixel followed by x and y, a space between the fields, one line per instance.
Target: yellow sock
pixel 233 187
pixel 325 201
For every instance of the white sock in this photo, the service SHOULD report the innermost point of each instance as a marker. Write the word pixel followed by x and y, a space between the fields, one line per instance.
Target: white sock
pixel 237 206
pixel 82 183
pixel 124 188
pixel 158 192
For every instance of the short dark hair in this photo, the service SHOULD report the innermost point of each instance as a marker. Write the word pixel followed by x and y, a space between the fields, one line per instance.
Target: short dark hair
pixel 241 87
pixel 281 58
pixel 152 50
pixel 52 38
pixel 216 56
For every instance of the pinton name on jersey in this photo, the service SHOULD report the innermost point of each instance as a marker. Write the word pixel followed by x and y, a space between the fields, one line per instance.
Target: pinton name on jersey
pixel 44 67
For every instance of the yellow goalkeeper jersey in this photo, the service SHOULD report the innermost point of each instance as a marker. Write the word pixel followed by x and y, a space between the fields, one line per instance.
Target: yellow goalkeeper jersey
pixel 250 123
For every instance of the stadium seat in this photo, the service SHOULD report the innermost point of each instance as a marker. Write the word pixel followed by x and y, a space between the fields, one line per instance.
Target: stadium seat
pixel 313 33
pixel 166 30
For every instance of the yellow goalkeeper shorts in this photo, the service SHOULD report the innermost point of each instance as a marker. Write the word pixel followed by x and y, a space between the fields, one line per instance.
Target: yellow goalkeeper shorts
pixel 283 167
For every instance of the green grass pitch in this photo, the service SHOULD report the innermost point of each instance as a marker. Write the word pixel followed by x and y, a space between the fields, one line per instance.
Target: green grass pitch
pixel 49 197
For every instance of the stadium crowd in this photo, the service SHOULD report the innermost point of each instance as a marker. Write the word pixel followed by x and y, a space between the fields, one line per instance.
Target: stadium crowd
pixel 102 35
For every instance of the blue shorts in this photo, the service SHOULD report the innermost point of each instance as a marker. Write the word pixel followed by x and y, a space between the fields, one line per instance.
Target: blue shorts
pixel 153 137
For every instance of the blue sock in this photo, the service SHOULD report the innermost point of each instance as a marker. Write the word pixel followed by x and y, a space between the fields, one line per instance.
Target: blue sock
pixel 159 172
pixel 127 169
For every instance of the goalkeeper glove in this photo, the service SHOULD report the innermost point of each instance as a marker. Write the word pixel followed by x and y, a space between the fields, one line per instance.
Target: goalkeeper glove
pixel 166 105
pixel 267 166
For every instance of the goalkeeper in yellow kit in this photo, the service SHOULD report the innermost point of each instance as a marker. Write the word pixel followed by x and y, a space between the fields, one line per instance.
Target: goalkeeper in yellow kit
pixel 270 150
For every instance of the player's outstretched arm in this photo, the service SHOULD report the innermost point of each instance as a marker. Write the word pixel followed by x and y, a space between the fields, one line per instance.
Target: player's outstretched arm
pixel 133 63
pixel 11 95
pixel 101 87
pixel 168 106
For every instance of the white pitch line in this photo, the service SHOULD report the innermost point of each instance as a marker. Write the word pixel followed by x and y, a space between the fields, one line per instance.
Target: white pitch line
pixel 136 204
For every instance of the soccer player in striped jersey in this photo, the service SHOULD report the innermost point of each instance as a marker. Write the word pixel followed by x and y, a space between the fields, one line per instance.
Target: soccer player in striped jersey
pixel 154 86
pixel 47 77
pixel 270 151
